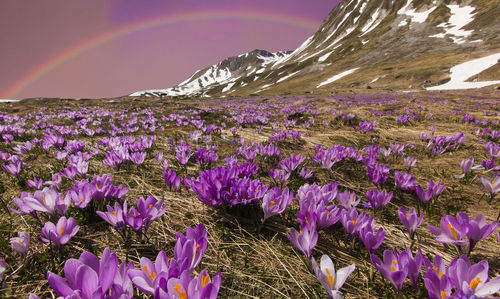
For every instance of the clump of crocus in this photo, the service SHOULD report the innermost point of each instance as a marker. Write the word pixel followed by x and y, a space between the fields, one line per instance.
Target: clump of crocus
pixel 378 200
pixel 433 191
pixel 87 277
pixel 348 199
pixel 61 232
pixel 48 201
pixel 397 266
pixel 304 240
pixel 150 210
pixel 276 201
pixel 410 220
pixel 404 181
pixel 479 229
pixel 20 243
pixel 330 279
pixel 371 238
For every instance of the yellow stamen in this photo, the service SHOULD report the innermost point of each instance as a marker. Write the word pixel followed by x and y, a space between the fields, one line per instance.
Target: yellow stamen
pixel 474 283
pixel 452 230
pixel 62 198
pixel 62 231
pixel 307 221
pixel 204 280
pixel 195 248
pixel 134 215
pixel 330 277
pixel 151 275
pixel 393 268
pixel 353 222
pixel 114 213
pixel 81 199
pixel 150 206
pixel 41 197
pixel 83 155
pixel 407 215
pixel 301 232
pixel 443 294
pixel 182 295
pixel 271 203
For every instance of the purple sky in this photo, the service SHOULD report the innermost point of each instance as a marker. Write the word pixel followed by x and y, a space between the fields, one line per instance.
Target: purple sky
pixel 35 36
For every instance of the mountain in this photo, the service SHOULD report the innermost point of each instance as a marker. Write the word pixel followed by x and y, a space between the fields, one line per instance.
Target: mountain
pixel 396 44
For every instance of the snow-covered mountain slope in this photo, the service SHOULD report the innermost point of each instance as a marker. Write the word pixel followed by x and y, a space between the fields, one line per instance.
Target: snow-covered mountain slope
pixel 398 44
pixel 222 76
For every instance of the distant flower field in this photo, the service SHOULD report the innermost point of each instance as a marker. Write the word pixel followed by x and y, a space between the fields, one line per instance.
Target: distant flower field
pixel 355 196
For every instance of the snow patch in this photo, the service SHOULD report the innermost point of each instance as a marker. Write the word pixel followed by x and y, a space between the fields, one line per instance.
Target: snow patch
pixel 325 57
pixel 228 87
pixel 460 16
pixel 286 77
pixel 337 77
pixel 8 100
pixel 373 23
pixel 460 73
pixel 416 17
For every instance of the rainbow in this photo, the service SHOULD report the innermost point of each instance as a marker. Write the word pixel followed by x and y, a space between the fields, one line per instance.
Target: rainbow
pixel 108 36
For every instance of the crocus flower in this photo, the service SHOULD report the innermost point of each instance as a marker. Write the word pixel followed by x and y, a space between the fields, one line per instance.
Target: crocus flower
pixel 410 219
pixel 203 286
pixel 393 267
pixel 404 181
pixel 353 222
pixel 472 280
pixel 35 183
pixel 493 186
pixel 13 168
pixel 87 277
pixel 20 243
pixel 290 164
pixel 410 162
pixel 480 230
pixel 279 175
pixel 150 210
pixel 148 278
pixel 305 240
pixel 378 200
pixel 438 288
pixel 47 201
pixel 305 173
pixel 452 231
pixel 59 233
pixel 467 166
pixel 122 286
pixel 276 201
pixel 113 216
pixel 371 239
pixel 348 199
pixel 189 249
pixel 132 218
pixel 414 265
pixel 377 173
pixel 330 279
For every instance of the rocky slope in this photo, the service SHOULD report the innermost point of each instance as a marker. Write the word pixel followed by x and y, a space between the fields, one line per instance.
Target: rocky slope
pixel 397 44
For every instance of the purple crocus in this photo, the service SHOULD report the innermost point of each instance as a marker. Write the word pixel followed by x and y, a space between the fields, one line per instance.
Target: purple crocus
pixel 122 287
pixel 472 280
pixel 404 181
pixel 378 200
pixel 36 183
pixel 20 243
pixel 304 240
pixel 393 267
pixel 148 278
pixel 150 210
pixel 467 166
pixel 279 175
pixel 479 230
pixel 48 201
pixel 113 216
pixel 330 279
pixel 452 231
pixel 414 264
pixel 306 173
pixel 410 219
pixel 189 249
pixel 87 277
pixel 276 201
pixel 13 168
pixel 410 162
pixel 438 287
pixel 132 218
pixel 171 179
pixel 372 239
pixel 61 232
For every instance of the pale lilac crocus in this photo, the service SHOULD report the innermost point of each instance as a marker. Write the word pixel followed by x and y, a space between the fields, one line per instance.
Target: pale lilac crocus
pixel 414 264
pixel 35 183
pixel 330 279
pixel 410 162
pixel 410 219
pixel 122 287
pixel 20 243
pixel 493 186
pixel 472 280
pixel 348 199
pixel 147 279
pixel 371 238
pixel 87 277
pixel 61 232
pixel 304 240
pixel 47 201
pixel 189 249
pixel 276 201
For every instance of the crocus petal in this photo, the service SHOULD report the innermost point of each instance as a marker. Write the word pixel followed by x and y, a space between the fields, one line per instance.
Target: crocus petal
pixel 342 275
pixel 88 279
pixel 58 284
pixel 489 288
